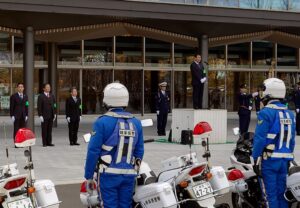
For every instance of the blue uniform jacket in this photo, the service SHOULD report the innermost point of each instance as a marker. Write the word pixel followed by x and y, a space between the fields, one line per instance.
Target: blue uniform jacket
pixel 265 125
pixel 102 130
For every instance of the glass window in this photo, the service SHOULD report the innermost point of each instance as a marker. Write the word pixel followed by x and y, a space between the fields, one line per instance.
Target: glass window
pixel 183 55
pixel 290 80
pixel 18 50
pixel 93 83
pixel 4 91
pixel 129 51
pixel 132 79
pixel 286 57
pixel 262 54
pixel 239 55
pixel 69 53
pixel 152 79
pixel 216 89
pixel 5 49
pixel 67 78
pixel 233 82
pixel 40 53
pixel 98 52
pixel 158 53
pixel 216 57
pixel 183 94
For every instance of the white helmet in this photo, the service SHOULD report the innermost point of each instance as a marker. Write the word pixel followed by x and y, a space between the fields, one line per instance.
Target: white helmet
pixel 115 95
pixel 274 88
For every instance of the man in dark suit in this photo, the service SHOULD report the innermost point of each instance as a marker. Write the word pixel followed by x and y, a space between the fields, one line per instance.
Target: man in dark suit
pixel 73 115
pixel 297 107
pixel 245 107
pixel 47 114
pixel 19 108
pixel 198 80
pixel 162 101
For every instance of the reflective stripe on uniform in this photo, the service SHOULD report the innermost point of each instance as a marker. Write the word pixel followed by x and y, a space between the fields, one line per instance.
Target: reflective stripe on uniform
pixel 130 143
pixel 116 115
pixel 273 106
pixel 107 148
pixel 282 155
pixel 281 130
pixel 271 136
pixel 121 144
pixel 289 132
pixel 118 171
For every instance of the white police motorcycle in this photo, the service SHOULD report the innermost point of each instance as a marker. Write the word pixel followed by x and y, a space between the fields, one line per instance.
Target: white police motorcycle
pixel 246 192
pixel 183 182
pixel 22 190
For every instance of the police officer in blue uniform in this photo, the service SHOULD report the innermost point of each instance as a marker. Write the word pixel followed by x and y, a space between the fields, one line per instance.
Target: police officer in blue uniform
pixel 297 107
pixel 162 103
pixel 274 143
pixel 245 107
pixel 117 146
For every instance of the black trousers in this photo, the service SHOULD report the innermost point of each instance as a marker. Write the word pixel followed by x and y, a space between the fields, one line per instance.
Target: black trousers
pixel 73 130
pixel 47 131
pixel 244 121
pixel 298 123
pixel 197 96
pixel 18 124
pixel 161 123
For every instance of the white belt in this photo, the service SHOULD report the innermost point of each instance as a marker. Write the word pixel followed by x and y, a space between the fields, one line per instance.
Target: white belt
pixel 118 171
pixel 271 136
pixel 282 155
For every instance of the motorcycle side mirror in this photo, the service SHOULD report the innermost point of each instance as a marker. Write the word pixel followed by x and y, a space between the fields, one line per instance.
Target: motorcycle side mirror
pixel 236 131
pixel 87 137
pixel 144 122
pixel 147 122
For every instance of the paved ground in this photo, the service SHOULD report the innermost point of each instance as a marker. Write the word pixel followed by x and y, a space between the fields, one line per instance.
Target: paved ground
pixel 64 164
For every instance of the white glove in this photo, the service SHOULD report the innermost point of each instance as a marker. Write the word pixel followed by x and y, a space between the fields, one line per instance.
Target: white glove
pixel 157 112
pixel 54 117
pixel 90 186
pixel 254 94
pixel 42 119
pixel 79 118
pixel 13 119
pixel 68 119
pixel 250 107
pixel 26 118
pixel 297 110
pixel 203 80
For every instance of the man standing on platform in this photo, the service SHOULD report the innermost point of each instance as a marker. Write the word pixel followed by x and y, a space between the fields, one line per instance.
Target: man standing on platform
pixel 198 80
pixel 47 113
pixel 73 115
pixel 162 101
pixel 19 108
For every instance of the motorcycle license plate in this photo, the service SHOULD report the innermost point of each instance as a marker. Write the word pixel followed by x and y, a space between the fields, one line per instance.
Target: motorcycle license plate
pixel 202 189
pixel 22 203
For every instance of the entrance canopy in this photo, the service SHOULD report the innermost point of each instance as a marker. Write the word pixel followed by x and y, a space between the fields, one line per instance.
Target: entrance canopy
pixel 70 20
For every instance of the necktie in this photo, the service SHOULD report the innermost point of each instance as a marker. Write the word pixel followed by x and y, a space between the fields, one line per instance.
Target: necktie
pixel 21 96
pixel 75 99
pixel 48 95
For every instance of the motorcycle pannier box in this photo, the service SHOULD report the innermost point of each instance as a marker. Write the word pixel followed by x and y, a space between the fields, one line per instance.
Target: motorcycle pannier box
pixel 155 195
pixel 46 194
pixel 219 181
